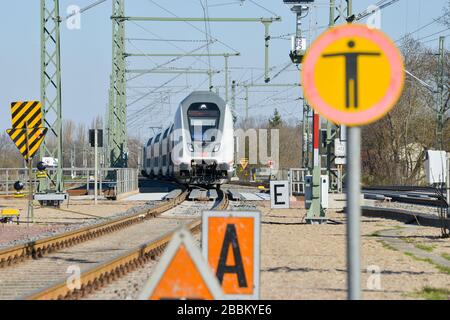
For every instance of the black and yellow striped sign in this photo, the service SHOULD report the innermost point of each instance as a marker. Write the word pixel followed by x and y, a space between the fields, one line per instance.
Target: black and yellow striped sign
pixel 27 114
pixel 27 131
pixel 27 140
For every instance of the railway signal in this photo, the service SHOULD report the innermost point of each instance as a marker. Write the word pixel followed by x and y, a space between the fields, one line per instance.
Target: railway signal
pixel 373 73
pixel 27 133
pixel 231 245
pixel 182 274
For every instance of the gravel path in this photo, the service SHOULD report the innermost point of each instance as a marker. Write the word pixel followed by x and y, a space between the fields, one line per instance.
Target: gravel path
pixel 309 262
pixel 300 261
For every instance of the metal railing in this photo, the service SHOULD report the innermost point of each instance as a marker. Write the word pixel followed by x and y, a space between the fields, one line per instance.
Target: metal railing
pixel 117 181
pixel 126 180
pixel 297 180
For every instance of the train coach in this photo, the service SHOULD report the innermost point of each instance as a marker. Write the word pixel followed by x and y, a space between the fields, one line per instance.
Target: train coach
pixel 197 147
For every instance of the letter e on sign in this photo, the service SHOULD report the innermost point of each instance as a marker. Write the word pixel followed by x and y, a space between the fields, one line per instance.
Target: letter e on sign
pixel 231 245
pixel 279 194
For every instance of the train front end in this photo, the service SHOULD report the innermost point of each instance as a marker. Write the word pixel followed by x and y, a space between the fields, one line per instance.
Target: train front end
pixel 208 136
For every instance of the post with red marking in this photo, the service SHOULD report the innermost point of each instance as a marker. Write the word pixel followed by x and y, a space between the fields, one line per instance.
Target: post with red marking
pixel 373 69
pixel 316 214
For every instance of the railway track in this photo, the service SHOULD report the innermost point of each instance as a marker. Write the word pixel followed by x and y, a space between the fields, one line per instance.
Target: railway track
pixel 38 249
pixel 425 196
pixel 101 260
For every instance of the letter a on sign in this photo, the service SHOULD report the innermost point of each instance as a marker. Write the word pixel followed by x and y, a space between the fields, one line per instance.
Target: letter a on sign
pixel 182 274
pixel 231 245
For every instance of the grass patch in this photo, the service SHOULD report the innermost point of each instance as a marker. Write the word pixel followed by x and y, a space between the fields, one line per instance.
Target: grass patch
pixel 446 256
pixel 442 269
pixel 408 240
pixel 425 247
pixel 388 246
pixel 430 293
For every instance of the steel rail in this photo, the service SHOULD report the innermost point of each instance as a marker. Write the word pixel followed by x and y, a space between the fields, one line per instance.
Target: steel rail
pixel 99 276
pixel 37 249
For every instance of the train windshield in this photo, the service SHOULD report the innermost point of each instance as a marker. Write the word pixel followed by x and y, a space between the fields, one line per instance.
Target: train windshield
pixel 203 121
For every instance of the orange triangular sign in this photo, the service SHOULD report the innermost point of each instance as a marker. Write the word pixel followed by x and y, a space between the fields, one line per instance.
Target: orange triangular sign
pixel 182 274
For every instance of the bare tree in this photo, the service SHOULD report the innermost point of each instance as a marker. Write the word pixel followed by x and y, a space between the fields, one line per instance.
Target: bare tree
pixel 393 147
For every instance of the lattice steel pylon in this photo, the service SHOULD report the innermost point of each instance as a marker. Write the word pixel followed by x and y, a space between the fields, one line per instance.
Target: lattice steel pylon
pixel 117 143
pixel 340 11
pixel 51 91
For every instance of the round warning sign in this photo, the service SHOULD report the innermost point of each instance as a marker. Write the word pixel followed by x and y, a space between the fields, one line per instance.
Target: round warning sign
pixel 353 75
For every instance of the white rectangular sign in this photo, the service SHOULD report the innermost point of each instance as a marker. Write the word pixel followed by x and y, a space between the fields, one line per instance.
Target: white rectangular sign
pixel 340 148
pixel 279 194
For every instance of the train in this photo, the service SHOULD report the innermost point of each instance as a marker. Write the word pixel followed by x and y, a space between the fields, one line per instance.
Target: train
pixel 197 148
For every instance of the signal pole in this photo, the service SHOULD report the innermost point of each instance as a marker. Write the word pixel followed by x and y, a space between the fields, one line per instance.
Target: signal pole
pixel 353 205
pixel 440 97
pixel 330 125
pixel 51 90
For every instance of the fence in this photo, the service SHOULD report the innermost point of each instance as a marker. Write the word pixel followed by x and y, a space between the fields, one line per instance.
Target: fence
pixel 126 181
pixel 117 181
pixel 297 180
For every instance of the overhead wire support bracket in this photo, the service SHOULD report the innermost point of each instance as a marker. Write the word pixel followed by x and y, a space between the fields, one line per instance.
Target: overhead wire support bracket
pixel 174 71
pixel 265 21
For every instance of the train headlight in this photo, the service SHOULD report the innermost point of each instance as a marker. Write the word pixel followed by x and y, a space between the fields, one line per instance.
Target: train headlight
pixel 190 147
pixel 217 148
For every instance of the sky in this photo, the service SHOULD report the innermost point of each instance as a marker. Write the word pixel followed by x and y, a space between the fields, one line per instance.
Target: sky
pixel 86 54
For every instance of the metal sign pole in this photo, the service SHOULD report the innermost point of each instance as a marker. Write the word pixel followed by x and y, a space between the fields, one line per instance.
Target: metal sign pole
pixel 448 181
pixel 30 214
pixel 353 212
pixel 96 166
pixel 30 199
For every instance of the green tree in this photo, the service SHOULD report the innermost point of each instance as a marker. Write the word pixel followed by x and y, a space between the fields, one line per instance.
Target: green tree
pixel 276 121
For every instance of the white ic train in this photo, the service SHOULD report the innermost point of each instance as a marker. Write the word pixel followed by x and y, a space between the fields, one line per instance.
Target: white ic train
pixel 198 146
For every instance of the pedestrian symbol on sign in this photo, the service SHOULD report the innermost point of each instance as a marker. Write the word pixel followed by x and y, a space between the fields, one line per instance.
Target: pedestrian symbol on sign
pixel 351 71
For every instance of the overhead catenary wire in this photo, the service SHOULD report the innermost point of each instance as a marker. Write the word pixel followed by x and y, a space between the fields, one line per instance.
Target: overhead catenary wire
pixel 207 31
pixel 433 34
pixel 96 3
pixel 190 24
pixel 264 8
pixel 420 28
pixel 165 40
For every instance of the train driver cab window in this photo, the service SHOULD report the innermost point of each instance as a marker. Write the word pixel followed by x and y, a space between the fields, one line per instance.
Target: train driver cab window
pixel 203 121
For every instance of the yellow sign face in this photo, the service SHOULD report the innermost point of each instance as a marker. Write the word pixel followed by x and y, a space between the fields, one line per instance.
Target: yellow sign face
pixel 27 141
pixel 353 75
pixel 26 114
pixel 27 131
